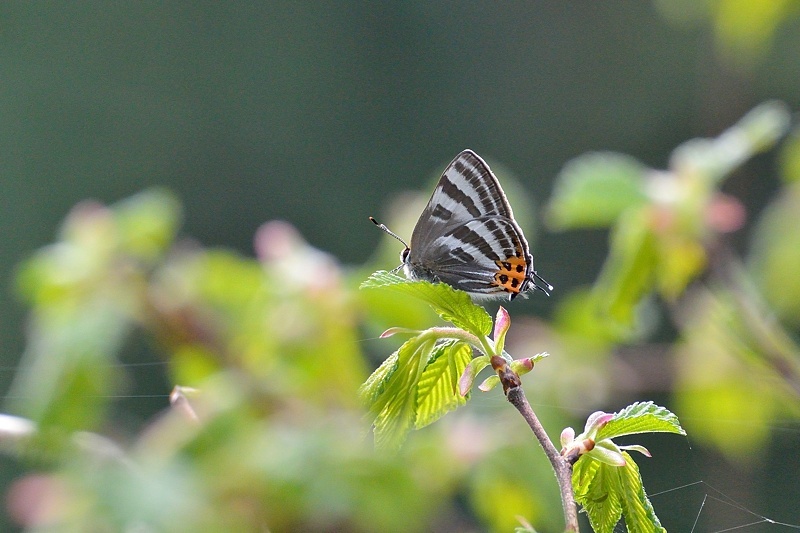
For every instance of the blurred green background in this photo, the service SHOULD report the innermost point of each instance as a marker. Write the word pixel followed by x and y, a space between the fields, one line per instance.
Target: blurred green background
pixel 323 114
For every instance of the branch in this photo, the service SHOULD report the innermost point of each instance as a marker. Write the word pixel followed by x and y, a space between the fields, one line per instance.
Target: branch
pixel 773 344
pixel 561 466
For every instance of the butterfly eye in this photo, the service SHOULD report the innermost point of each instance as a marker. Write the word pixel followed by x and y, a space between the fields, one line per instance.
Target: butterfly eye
pixel 404 255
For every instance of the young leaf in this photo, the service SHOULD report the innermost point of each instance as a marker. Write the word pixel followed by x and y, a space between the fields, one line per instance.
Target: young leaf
pixel 437 391
pixel 415 386
pixel 636 507
pixel 640 417
pixel 598 490
pixel 593 190
pixel 489 383
pixel 452 305
pixel 470 372
pixel 392 391
pixel 501 324
pixel 376 382
pixel 608 493
pixel 628 273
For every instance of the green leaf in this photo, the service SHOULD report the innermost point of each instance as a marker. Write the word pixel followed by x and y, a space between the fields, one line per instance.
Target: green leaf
pixel 597 489
pixel 790 158
pixel 594 189
pixel 376 382
pixel 391 391
pixel 607 493
pixel 775 253
pixel 452 305
pixel 680 259
pixel 415 386
pixel 640 417
pixel 437 390
pixel 489 383
pixel 636 507
pixel 608 453
pixel 148 222
pixel 721 371
pixel 628 273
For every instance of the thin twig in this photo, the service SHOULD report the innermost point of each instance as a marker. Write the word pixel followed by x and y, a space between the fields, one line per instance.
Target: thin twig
pixel 561 466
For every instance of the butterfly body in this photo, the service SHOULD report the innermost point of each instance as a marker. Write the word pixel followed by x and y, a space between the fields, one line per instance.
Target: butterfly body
pixel 467 237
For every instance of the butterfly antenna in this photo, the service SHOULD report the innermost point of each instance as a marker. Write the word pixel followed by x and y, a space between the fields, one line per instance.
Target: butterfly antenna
pixel 540 284
pixel 388 231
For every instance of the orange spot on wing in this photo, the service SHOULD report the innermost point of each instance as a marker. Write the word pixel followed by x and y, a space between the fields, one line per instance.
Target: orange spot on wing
pixel 511 274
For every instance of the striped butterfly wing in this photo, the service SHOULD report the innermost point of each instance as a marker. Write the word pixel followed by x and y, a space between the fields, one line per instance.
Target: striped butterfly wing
pixel 467 236
pixel 486 267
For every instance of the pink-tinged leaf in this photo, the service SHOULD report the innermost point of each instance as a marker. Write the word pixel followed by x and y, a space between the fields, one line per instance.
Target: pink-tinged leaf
pixel 489 383
pixel 501 324
pixel 470 372
pixel 522 366
pixel 567 436
pixel 597 420
pixel 466 380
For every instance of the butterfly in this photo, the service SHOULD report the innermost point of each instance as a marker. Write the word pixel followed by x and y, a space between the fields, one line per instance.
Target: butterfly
pixel 467 237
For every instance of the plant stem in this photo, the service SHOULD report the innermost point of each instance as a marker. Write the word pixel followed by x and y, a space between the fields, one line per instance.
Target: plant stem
pixel 562 468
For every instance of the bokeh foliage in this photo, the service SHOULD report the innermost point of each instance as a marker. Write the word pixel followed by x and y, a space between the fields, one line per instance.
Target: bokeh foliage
pixel 273 346
pixel 266 429
pixel 668 240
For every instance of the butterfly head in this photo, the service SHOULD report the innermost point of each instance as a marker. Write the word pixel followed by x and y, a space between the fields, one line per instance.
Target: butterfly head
pixel 404 254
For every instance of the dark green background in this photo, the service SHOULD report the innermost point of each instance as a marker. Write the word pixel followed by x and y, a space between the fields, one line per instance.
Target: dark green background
pixel 318 113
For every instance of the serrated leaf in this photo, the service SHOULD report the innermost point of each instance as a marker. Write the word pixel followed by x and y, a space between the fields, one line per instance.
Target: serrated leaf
pixel 607 493
pixel 636 507
pixel 376 382
pixel 393 392
pixel 592 190
pixel 437 390
pixel 452 305
pixel 598 491
pixel 640 417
